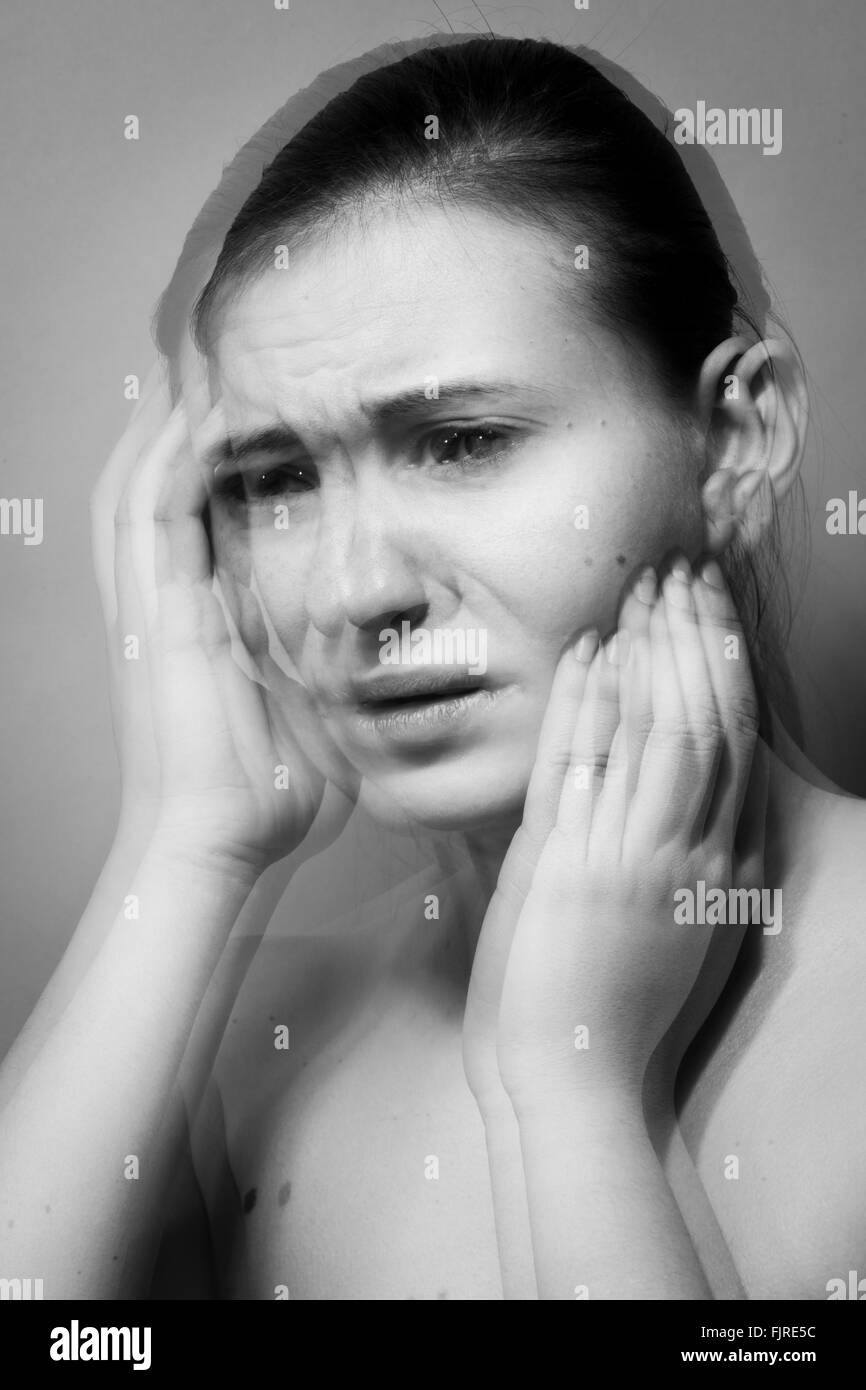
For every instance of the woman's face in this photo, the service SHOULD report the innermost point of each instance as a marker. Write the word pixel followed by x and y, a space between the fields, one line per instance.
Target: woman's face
pixel 452 450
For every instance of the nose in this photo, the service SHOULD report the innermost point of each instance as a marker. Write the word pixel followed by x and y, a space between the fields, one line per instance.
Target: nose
pixel 365 565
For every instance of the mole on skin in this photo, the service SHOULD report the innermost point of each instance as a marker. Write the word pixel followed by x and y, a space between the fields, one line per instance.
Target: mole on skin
pixel 284 1193
pixel 250 1201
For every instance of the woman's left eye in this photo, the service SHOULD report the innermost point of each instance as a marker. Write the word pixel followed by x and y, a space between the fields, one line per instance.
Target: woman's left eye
pixel 462 445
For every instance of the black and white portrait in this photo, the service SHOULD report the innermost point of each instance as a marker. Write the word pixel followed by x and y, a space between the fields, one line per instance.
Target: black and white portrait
pixel 434 544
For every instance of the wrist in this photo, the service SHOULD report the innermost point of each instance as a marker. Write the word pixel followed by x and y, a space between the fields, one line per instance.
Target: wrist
pixel 556 1122
pixel 586 1071
pixel 234 867
pixel 546 1101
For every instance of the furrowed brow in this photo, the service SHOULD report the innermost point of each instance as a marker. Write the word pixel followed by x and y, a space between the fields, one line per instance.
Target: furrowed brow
pixel 403 408
pixel 237 448
pixel 410 405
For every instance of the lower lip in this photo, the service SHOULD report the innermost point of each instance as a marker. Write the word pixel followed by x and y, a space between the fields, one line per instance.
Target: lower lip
pixel 427 722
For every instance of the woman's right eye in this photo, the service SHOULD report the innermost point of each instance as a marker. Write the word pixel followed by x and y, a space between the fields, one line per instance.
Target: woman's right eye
pixel 252 485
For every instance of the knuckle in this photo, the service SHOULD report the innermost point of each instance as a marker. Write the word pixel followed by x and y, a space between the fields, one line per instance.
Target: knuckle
pixel 743 714
pixel 641 725
pixel 559 761
pixel 667 729
pixel 716 868
pixel 693 733
pixel 705 721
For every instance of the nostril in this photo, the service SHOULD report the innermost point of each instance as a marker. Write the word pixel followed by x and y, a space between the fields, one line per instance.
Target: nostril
pixel 394 618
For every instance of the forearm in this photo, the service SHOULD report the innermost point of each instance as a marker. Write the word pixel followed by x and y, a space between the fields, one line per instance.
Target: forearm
pixel 605 1223
pixel 508 1190
pixel 98 1104
pixel 117 873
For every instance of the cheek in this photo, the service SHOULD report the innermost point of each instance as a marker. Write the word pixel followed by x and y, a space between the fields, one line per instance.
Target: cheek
pixel 241 552
pixel 557 551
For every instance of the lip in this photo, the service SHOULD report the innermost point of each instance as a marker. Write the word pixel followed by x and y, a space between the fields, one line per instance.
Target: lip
pixel 420 707
pixel 414 683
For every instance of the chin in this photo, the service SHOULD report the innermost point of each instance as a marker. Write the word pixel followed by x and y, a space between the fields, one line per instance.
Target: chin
pixel 477 793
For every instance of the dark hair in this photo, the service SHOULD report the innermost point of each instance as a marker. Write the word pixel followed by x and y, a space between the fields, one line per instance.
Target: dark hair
pixel 533 131
pixel 539 134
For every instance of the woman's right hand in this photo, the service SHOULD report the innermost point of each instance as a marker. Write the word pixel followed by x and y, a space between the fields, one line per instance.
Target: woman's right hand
pixel 214 763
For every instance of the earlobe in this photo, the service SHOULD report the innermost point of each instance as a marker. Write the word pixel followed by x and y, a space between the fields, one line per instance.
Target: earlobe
pixel 753 398
pixel 718 508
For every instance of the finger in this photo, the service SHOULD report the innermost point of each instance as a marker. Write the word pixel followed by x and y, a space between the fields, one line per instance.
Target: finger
pixel 705 737
pixel 195 387
pixel 553 756
pixel 726 654
pixel 148 418
pixel 138 507
pixel 246 614
pixel 609 808
pixel 130 615
pixel 672 783
pixel 183 553
pixel 296 721
pixel 638 602
pixel 594 730
pixel 635 694
pixel 631 656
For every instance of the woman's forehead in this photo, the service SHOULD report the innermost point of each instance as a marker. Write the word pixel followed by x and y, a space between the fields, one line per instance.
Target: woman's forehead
pixel 402 279
pixel 406 303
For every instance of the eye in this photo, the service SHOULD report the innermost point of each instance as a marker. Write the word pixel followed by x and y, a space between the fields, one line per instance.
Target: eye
pixel 461 445
pixel 249 486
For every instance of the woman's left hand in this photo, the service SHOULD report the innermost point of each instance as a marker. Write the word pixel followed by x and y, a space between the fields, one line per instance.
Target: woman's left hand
pixel 661 790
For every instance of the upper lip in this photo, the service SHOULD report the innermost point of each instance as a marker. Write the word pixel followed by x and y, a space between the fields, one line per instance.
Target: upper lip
pixel 414 684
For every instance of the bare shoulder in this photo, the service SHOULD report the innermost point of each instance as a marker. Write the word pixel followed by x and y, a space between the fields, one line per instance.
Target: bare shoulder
pixel 777 1121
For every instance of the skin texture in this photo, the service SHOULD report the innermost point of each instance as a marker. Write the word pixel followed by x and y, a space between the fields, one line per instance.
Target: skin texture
pixel 383 529
pixel 383 1036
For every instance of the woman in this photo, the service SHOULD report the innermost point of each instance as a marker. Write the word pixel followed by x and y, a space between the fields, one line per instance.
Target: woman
pixel 483 447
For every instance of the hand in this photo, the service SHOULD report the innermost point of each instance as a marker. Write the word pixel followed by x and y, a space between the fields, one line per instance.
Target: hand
pixel 201 742
pixel 481 1016
pixel 659 790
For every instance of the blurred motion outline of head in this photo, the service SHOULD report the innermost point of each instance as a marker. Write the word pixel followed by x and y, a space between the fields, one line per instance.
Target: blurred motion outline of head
pixel 542 135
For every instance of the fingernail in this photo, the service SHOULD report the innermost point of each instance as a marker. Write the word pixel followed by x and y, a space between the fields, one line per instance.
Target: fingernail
pixel 682 569
pixel 587 646
pixel 618 648
pixel 677 592
pixel 712 574
pixel 646 588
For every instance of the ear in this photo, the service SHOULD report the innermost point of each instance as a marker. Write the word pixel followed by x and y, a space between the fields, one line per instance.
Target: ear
pixel 753 403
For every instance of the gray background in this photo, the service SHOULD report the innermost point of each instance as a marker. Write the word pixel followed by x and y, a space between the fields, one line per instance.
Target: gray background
pixel 91 230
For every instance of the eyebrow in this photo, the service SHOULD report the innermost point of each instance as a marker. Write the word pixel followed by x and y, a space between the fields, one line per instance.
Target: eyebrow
pixel 403 408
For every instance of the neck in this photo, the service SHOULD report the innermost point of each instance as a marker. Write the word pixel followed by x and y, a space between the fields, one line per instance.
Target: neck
pixel 464 871
pixel 801 821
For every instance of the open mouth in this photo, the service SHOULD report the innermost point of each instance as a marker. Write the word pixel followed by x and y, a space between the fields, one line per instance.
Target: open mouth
pixel 420 699
pixel 420 706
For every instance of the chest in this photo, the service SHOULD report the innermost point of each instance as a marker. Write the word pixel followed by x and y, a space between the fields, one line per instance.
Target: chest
pixel 362 1173
pixel 369 1173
